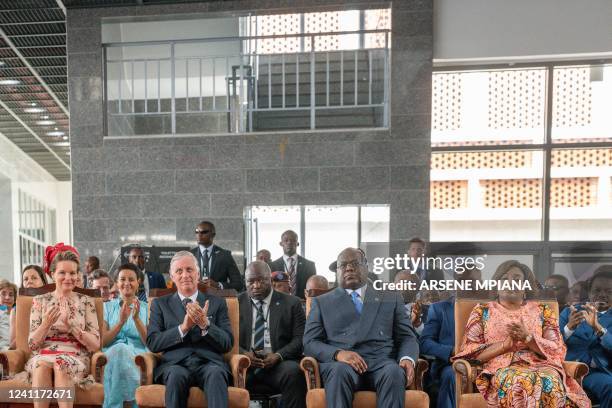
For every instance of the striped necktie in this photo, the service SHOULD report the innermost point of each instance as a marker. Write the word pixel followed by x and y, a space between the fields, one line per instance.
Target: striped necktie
pixel 260 327
pixel 292 275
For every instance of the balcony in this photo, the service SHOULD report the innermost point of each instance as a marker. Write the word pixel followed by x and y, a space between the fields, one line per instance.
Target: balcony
pixel 210 86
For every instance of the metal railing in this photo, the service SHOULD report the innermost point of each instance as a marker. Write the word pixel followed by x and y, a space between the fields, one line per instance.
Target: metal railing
pixel 244 86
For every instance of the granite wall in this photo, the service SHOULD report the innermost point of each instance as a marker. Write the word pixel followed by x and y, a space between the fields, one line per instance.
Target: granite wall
pixel 156 189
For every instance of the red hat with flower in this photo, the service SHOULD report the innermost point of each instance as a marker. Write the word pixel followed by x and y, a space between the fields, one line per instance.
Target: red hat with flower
pixel 52 251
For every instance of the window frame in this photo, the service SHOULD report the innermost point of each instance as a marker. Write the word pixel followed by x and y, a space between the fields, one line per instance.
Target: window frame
pixel 542 249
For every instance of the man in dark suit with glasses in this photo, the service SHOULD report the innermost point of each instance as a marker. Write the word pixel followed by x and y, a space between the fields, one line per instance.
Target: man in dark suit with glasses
pixel 217 266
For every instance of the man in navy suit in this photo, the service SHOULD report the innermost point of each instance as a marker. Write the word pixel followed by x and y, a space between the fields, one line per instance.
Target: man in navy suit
pixel 152 279
pixel 217 265
pixel 361 337
pixel 587 331
pixel 192 331
pixel 438 340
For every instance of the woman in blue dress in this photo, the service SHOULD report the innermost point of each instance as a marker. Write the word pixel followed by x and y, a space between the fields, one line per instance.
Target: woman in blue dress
pixel 125 337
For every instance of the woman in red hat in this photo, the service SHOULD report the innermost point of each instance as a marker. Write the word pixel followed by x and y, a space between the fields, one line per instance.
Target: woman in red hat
pixel 63 328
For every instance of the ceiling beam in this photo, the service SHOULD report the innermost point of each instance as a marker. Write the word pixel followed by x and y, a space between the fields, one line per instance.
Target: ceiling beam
pixel 60 4
pixel 31 68
pixel 18 119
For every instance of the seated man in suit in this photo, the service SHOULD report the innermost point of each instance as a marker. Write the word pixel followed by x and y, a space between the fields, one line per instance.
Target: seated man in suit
pixel 298 268
pixel 152 279
pixel 361 337
pixel 271 331
pixel 217 265
pixel 438 340
pixel 587 330
pixel 192 331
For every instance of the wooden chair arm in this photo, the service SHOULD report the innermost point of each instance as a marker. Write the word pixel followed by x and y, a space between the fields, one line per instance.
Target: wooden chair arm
pixel 146 362
pixel 310 367
pixel 464 377
pixel 239 363
pixel 576 369
pixel 98 361
pixel 422 366
pixel 12 361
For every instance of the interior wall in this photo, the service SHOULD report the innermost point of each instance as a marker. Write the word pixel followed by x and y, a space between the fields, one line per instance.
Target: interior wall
pixel 497 28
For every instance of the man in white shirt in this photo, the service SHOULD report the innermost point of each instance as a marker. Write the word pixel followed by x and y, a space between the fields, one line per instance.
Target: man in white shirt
pixel 361 337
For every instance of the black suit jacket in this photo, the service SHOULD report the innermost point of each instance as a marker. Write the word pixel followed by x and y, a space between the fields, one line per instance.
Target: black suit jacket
pixel 223 268
pixel 167 313
pixel 286 321
pixel 305 269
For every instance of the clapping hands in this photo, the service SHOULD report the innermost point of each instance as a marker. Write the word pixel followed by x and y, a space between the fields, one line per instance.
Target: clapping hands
pixel 197 314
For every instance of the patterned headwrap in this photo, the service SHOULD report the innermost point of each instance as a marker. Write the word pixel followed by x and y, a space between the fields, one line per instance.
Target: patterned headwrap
pixel 52 251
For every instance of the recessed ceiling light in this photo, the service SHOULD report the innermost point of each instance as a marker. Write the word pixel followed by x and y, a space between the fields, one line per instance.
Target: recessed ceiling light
pixel 45 122
pixel 9 82
pixel 45 117
pixel 55 133
pixel 33 110
pixel 33 104
pixel 65 137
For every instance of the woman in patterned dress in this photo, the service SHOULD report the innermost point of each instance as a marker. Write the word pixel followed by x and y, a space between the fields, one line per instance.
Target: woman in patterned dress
pixel 63 329
pixel 125 319
pixel 520 348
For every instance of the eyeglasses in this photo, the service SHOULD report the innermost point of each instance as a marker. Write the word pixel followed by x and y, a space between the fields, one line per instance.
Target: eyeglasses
pixel 343 265
pixel 198 231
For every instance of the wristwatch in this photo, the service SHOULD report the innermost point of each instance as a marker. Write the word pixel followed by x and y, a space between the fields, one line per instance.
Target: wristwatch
pixel 602 332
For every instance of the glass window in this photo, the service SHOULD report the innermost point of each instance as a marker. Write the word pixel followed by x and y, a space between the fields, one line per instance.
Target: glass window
pixel 486 196
pixel 327 231
pixel 497 107
pixel 582 96
pixel 581 194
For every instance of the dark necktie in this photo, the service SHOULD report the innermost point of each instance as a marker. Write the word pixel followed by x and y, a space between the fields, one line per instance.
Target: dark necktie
pixel 185 302
pixel 260 327
pixel 205 260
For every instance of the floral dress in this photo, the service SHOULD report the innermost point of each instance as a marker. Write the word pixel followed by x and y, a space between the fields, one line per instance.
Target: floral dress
pixel 521 379
pixel 59 347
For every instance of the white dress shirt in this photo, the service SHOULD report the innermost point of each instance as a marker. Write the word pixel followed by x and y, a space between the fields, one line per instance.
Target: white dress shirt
pixel 295 262
pixel 361 292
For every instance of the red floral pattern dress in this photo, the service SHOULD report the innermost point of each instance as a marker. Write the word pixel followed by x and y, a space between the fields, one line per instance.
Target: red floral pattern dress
pixel 60 348
pixel 521 379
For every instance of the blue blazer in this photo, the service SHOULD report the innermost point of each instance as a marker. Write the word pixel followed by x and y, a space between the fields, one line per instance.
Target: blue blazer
pixel 382 332
pixel 163 336
pixel 156 280
pixel 584 345
pixel 438 337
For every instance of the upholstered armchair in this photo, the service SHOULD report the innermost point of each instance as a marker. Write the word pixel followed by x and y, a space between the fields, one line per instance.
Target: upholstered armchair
pixel 13 361
pixel 315 396
pixel 150 395
pixel 466 372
